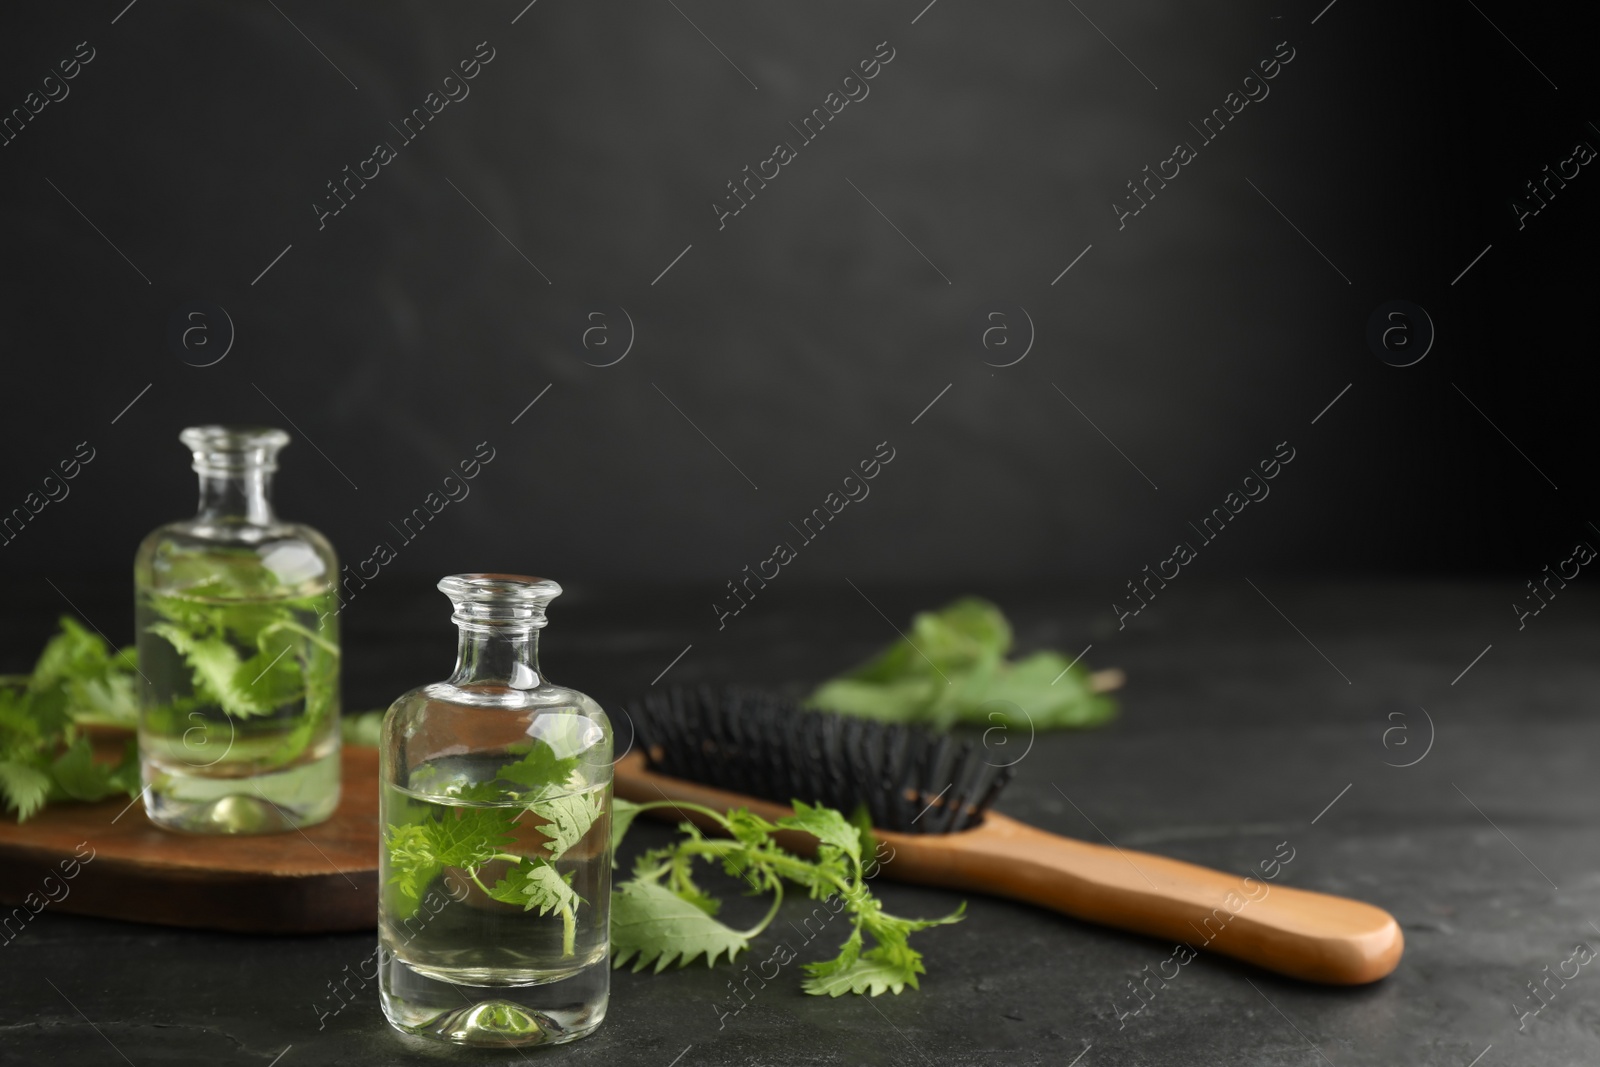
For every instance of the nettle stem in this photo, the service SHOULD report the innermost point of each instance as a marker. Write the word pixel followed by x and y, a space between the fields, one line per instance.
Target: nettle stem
pixel 294 627
pixel 569 932
pixel 772 913
pixel 569 919
pixel 773 863
pixel 472 873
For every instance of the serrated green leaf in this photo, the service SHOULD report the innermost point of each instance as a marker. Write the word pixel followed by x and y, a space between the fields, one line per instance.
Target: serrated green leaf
pixel 42 755
pixel 951 669
pixel 126 776
pixel 468 837
pixel 213 666
pixel 412 863
pixel 1046 691
pixel 465 837
pixel 71 653
pixel 652 924
pixel 861 819
pixel 871 975
pixel 111 700
pixel 540 769
pixel 826 825
pixel 537 886
pixel 47 708
pixel 564 820
pixel 79 777
pixel 248 622
pixel 849 952
pixel 887 928
pixel 17 723
pixel 661 917
pixel 250 657
pixel 268 680
pixel 623 812
pixel 748 828
pixel 959 635
pixel 906 700
pixel 680 880
pixel 222 573
pixel 25 787
pixel 890 965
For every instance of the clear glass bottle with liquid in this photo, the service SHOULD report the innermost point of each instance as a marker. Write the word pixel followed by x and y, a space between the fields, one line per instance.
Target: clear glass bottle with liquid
pixel 495 860
pixel 236 616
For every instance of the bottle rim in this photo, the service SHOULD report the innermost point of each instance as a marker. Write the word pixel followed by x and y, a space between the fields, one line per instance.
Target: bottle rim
pixel 232 448
pixel 487 597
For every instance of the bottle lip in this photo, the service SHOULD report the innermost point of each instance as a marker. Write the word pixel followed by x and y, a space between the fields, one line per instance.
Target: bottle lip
pixel 234 448
pixel 517 599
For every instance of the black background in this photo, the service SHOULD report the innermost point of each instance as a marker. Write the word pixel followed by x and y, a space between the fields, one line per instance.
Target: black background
pixel 808 330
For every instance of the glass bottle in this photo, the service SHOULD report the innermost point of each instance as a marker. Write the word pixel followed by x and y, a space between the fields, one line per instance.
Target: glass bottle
pixel 495 860
pixel 236 615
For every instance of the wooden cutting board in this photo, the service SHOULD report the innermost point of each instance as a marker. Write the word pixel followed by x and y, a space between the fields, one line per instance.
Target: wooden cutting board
pixel 320 879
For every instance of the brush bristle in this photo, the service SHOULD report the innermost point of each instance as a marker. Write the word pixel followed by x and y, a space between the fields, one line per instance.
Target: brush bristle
pixel 754 743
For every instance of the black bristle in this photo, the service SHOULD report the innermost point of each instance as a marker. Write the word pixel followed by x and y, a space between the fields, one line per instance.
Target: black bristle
pixel 750 742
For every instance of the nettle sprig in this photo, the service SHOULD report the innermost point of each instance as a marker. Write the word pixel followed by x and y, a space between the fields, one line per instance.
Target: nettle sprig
pixel 470 838
pixel 662 916
pixel 45 755
pixel 250 649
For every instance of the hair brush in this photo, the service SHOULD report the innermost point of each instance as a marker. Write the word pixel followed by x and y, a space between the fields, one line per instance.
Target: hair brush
pixel 929 797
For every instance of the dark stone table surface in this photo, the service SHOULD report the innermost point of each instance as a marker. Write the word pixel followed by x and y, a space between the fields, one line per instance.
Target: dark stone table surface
pixel 1245 723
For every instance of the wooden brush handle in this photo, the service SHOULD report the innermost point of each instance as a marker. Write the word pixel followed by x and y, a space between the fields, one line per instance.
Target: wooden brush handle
pixel 1108 680
pixel 1306 935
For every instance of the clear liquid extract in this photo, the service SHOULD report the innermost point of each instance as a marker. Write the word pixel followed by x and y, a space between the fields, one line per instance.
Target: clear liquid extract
pixel 495 861
pixel 238 641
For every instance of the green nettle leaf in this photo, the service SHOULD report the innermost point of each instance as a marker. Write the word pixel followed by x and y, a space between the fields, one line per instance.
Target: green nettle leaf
pixel 1044 691
pixel 247 622
pixel 216 573
pixel 826 825
pixel 892 928
pixel 660 916
pixel 952 669
pixel 16 720
pixel 73 653
pixel 50 712
pixel 25 787
pixel 466 838
pixel 472 837
pixel 541 768
pixel 680 879
pixel 251 651
pixel 112 700
pixel 43 757
pixel 871 975
pixel 80 778
pixel 412 864
pixel 537 886
pixel 214 664
pixel 188 614
pixel 96 682
pixel 126 775
pixel 748 828
pixel 566 819
pixel 652 924
pixel 861 819
pixel 623 812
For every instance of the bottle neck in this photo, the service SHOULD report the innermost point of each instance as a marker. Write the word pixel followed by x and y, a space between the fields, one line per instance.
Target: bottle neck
pixel 497 656
pixel 237 496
